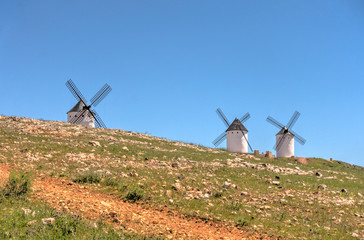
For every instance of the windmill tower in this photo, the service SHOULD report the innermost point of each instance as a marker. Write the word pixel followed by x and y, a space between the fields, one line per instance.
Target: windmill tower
pixel 285 137
pixel 81 113
pixel 236 134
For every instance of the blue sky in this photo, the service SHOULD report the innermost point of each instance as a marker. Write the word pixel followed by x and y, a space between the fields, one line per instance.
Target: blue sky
pixel 172 63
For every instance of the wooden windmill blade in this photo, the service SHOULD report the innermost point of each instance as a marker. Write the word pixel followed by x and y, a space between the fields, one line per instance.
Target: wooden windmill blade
pixel 245 117
pixel 219 139
pixel 298 138
pixel 278 145
pixel 75 92
pixel 293 120
pixel 274 122
pixel 79 117
pixel 223 117
pixel 251 149
pixel 98 120
pixel 100 95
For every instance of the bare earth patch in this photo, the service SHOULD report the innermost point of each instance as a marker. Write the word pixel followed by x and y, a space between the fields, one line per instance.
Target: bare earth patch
pixel 65 195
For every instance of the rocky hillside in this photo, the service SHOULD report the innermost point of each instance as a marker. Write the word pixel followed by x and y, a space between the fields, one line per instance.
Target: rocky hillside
pixel 241 195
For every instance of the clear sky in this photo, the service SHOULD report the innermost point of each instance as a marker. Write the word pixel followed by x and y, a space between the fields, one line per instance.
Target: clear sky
pixel 172 63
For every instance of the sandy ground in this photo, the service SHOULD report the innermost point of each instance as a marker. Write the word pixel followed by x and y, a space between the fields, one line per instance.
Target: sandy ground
pixel 91 204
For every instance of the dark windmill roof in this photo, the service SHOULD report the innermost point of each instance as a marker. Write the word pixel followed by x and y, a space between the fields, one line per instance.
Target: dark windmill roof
pixel 237 125
pixel 78 107
pixel 281 132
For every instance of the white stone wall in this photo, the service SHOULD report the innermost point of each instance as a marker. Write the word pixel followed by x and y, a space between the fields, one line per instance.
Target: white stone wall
pixel 87 120
pixel 287 146
pixel 235 141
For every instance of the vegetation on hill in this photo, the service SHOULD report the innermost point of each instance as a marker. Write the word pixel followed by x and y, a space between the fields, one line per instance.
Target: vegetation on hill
pixel 22 218
pixel 281 197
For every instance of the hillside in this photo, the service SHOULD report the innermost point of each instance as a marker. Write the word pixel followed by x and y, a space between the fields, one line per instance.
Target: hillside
pixel 152 187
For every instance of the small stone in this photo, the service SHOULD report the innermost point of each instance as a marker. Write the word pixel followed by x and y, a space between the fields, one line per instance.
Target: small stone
pixel 175 165
pixel 277 177
pixel 226 184
pixel 32 222
pixel 341 212
pixel 26 211
pixel 318 174
pixel 125 148
pixel 355 235
pixel 95 143
pixel 276 182
pixel 169 193
pixel 177 186
pixel 133 174
pixel 105 204
pixel 344 190
pixel 48 221
pixel 244 193
pixel 94 225
pixel 322 186
pixel 170 201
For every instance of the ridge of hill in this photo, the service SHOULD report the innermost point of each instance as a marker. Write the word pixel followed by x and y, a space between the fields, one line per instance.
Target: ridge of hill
pixel 280 198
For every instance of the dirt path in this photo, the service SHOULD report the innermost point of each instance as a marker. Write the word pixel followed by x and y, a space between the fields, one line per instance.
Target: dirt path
pixel 67 196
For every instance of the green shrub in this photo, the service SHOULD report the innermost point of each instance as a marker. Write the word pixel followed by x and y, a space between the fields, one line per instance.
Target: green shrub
pixel 218 194
pixel 88 177
pixel 242 223
pixel 17 186
pixel 235 205
pixel 112 182
pixel 135 193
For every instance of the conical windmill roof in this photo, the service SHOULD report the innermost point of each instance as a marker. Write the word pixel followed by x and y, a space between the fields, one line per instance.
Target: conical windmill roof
pixel 78 107
pixel 281 132
pixel 237 125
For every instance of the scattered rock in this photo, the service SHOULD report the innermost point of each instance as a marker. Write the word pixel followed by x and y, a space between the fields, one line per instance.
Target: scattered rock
pixel 175 165
pixel 277 177
pixel 48 221
pixel 341 212
pixel 94 144
pixel 177 186
pixel 26 211
pixel 244 193
pixel 226 184
pixel 112 214
pixel 125 148
pixel 133 174
pixel 169 193
pixel 32 222
pixel 344 190
pixel 170 201
pixel 105 204
pixel 322 187
pixel 302 160
pixel 355 235
pixel 318 174
pixel 276 182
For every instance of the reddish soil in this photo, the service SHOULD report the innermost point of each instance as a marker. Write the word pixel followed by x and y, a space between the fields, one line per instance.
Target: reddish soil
pixel 131 217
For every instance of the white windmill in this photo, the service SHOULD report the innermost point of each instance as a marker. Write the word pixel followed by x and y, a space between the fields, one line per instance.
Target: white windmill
pixel 82 113
pixel 285 137
pixel 236 135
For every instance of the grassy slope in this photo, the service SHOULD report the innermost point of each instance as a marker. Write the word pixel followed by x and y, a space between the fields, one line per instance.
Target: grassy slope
pixel 22 218
pixel 133 165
